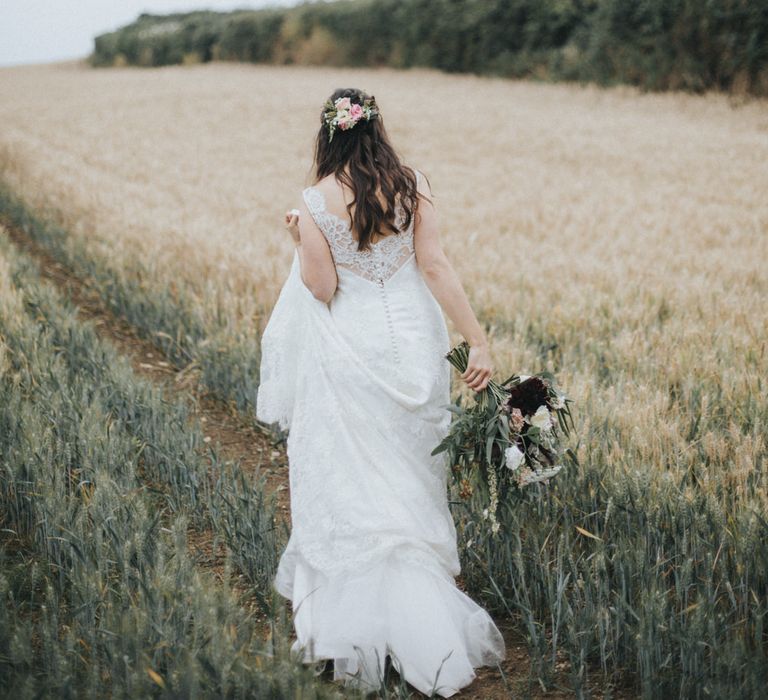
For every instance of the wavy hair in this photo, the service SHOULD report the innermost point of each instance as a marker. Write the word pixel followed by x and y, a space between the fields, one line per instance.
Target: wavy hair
pixel 374 168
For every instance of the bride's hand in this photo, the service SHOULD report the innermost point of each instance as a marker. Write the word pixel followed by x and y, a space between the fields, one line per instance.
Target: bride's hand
pixel 292 224
pixel 479 367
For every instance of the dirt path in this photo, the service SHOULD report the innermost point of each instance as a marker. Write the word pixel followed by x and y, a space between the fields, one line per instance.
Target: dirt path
pixel 239 440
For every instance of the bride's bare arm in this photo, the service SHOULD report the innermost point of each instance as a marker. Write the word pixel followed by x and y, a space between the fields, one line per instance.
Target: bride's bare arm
pixel 317 269
pixel 446 287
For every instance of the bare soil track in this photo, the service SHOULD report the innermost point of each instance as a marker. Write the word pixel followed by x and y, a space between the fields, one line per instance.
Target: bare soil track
pixel 238 439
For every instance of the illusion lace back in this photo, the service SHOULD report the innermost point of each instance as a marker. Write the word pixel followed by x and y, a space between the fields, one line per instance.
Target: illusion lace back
pixel 362 385
pixel 376 264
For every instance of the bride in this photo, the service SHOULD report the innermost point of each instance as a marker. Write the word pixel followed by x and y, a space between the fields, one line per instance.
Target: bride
pixel 353 366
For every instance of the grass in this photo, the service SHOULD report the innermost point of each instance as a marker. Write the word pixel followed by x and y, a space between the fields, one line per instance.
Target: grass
pixel 100 481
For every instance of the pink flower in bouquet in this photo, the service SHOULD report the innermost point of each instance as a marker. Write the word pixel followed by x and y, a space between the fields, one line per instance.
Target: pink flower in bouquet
pixel 516 420
pixel 356 112
pixel 524 475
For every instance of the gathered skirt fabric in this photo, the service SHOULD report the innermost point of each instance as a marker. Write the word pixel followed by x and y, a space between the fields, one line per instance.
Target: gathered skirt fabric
pixel 362 385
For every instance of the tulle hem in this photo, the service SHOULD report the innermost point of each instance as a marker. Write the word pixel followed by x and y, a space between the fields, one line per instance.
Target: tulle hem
pixel 433 632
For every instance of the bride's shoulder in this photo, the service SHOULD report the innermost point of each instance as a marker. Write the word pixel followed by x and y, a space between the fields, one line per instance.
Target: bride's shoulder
pixel 422 183
pixel 327 184
pixel 330 190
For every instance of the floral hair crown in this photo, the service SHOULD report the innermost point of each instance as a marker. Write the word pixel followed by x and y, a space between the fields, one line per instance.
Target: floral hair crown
pixel 343 114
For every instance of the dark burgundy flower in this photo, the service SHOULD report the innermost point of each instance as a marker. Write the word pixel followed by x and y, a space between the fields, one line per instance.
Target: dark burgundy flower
pixel 528 395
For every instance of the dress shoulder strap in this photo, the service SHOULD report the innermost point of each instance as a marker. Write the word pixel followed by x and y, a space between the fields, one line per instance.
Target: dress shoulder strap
pixel 314 199
pixel 333 227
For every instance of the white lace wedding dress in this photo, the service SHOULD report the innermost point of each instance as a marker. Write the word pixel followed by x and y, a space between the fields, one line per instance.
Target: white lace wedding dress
pixel 362 384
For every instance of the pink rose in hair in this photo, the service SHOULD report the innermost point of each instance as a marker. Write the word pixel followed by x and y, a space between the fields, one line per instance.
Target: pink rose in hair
pixel 343 103
pixel 356 111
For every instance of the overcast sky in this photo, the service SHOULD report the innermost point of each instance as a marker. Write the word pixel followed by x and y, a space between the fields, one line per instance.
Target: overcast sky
pixel 37 31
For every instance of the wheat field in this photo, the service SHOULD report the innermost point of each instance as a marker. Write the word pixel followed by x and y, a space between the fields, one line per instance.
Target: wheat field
pixel 588 213
pixel 617 238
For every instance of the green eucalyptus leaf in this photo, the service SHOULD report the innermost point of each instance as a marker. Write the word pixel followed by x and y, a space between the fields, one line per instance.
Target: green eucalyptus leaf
pixel 489 448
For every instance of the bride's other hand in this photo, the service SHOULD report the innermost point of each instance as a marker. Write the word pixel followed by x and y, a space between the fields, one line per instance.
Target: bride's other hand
pixel 479 367
pixel 292 224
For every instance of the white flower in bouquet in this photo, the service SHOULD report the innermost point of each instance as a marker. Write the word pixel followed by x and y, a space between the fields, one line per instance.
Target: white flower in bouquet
pixel 542 419
pixel 527 476
pixel 513 457
pixel 559 403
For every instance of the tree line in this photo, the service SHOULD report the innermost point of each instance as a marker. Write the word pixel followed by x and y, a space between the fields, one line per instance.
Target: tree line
pixel 693 45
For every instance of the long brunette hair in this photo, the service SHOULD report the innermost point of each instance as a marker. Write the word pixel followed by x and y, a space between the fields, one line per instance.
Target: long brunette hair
pixel 374 167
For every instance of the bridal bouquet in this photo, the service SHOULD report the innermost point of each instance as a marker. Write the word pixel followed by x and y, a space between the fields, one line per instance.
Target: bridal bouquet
pixel 512 435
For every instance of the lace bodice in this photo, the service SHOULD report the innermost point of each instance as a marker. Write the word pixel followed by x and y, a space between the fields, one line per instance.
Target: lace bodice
pixel 381 260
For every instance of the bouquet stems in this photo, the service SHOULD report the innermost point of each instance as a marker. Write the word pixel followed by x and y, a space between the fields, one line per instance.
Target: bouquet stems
pixel 459 358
